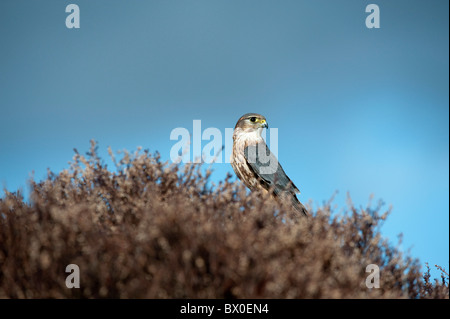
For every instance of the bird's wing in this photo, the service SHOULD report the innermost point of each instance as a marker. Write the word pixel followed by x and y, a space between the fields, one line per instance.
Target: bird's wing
pixel 268 170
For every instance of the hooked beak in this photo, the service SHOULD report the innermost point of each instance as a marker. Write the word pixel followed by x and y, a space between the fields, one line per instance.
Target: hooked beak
pixel 264 124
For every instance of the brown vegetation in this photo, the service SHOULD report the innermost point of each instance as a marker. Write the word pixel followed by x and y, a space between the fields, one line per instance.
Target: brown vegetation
pixel 153 230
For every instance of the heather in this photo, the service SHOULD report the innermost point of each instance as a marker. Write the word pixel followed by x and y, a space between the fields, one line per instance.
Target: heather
pixel 152 229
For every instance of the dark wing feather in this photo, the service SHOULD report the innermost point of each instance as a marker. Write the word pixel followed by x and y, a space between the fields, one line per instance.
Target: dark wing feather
pixel 267 169
pixel 270 173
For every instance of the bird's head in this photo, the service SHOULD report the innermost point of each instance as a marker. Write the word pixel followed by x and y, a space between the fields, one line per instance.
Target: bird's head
pixel 252 122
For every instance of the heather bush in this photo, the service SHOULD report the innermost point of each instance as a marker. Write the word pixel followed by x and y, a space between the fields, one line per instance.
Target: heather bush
pixel 150 229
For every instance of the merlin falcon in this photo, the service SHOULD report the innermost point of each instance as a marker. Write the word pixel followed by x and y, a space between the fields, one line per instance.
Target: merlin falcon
pixel 257 166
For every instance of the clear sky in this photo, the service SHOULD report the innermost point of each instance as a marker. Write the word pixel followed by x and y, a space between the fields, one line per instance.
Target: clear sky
pixel 358 110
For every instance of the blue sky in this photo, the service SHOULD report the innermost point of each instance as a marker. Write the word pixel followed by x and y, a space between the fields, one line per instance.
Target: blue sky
pixel 358 110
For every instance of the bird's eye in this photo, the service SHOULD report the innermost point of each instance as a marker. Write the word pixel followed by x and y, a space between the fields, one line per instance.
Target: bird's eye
pixel 253 119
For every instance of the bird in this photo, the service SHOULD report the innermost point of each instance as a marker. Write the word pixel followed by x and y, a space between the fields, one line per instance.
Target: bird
pixel 256 166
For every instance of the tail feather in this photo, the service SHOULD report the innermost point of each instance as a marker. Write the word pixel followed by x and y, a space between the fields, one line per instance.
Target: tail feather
pixel 299 206
pixel 285 195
